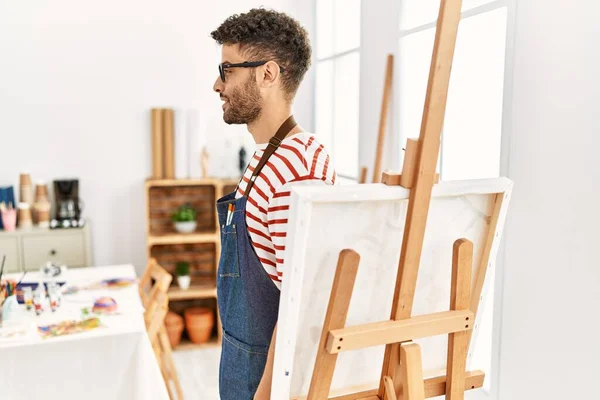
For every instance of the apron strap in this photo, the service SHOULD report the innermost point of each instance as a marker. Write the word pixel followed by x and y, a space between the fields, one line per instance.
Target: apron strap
pixel 273 145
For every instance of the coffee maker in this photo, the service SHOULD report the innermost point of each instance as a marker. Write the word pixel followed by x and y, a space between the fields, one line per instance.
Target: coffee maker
pixel 68 205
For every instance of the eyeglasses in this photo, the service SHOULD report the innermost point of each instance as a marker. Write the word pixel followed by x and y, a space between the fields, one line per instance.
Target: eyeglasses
pixel 246 64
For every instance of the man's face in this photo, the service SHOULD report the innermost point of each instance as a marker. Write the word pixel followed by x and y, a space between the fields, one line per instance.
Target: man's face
pixel 240 93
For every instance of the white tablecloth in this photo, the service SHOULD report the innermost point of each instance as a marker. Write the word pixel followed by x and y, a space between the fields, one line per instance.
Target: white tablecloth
pixel 112 362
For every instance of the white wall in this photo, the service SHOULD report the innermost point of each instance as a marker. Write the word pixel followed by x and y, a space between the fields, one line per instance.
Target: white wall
pixel 77 80
pixel 550 321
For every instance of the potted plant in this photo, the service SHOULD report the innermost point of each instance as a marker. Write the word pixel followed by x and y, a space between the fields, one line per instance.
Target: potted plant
pixel 199 323
pixel 184 219
pixel 183 274
pixel 175 325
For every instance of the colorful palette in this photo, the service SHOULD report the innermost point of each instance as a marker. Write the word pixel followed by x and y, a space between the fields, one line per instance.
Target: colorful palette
pixel 105 305
pixel 68 327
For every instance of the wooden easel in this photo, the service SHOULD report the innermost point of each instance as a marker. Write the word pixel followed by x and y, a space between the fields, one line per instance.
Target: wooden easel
pixel 402 373
pixel 156 301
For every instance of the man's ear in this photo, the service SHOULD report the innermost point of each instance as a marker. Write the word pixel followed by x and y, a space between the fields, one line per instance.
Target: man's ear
pixel 269 74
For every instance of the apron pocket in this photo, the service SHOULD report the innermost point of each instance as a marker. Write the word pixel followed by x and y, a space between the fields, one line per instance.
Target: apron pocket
pixel 229 264
pixel 241 368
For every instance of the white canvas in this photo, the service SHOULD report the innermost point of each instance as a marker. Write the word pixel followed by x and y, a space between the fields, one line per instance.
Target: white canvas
pixel 370 219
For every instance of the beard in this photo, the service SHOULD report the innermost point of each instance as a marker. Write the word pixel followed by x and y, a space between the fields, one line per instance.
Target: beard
pixel 244 104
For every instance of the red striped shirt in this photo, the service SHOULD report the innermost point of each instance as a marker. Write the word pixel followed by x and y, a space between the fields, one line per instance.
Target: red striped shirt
pixel 299 158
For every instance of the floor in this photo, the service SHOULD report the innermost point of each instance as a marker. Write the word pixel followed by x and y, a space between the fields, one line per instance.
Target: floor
pixel 198 372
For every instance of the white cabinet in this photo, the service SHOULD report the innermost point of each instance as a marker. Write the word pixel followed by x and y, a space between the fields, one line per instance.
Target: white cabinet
pixel 28 250
pixel 10 247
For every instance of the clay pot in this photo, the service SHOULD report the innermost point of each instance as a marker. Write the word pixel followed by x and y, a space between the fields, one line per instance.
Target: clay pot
pixel 199 322
pixel 174 325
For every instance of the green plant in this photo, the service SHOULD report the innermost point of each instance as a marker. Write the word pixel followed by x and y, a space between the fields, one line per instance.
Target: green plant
pixel 184 213
pixel 182 268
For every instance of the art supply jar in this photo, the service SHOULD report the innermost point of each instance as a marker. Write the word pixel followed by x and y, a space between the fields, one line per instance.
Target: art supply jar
pixel 9 219
pixel 41 208
pixel 28 297
pixel 53 295
pixel 26 189
pixel 38 298
pixel 10 308
pixel 24 218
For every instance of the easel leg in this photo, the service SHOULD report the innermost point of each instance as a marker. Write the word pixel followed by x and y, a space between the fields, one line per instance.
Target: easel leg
pixel 168 358
pixel 339 301
pixel 390 391
pixel 412 372
pixel 420 194
pixel 460 299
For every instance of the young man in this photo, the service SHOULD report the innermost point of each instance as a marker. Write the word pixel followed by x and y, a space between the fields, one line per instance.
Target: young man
pixel 265 55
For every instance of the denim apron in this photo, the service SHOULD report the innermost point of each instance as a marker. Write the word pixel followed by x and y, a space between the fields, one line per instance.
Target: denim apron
pixel 247 298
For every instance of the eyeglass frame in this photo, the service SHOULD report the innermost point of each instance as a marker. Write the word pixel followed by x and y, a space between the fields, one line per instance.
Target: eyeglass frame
pixel 245 64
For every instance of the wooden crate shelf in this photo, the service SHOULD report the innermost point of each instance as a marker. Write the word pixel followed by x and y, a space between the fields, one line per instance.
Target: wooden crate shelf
pixel 202 258
pixel 180 306
pixel 183 238
pixel 164 200
pixel 186 345
pixel 193 292
pixel 200 248
pixel 191 182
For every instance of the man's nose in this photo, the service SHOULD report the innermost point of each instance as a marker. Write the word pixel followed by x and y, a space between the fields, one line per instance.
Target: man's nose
pixel 218 86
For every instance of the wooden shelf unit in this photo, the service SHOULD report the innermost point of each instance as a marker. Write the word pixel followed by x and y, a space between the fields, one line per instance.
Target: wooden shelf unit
pixel 183 238
pixel 201 248
pixel 194 292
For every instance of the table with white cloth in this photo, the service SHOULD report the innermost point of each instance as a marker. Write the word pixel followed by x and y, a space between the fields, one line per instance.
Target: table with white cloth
pixel 112 362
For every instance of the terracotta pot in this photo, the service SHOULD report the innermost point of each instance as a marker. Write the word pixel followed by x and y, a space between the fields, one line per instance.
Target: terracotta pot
pixel 199 322
pixel 174 325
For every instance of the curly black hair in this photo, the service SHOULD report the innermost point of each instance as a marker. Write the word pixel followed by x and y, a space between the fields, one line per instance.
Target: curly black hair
pixel 270 35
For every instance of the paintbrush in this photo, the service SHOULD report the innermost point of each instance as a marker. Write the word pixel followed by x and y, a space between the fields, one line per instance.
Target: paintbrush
pixel 2 269
pixel 21 280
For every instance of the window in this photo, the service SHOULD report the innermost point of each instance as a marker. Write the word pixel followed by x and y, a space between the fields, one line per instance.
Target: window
pixel 337 82
pixel 471 134
pixel 470 145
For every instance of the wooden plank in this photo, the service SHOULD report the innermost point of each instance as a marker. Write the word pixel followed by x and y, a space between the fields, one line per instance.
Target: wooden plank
pixel 395 179
pixel 366 395
pixel 391 178
pixel 193 292
pixel 460 299
pixel 363 175
pixel 420 195
pixel 387 92
pixel 337 310
pixel 183 238
pixel 189 182
pixel 386 332
pixel 481 271
pixel 168 363
pixel 437 386
pixel 169 143
pixel 390 391
pixel 157 143
pixel 434 387
pixel 186 345
pixel 409 165
pixel 411 370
